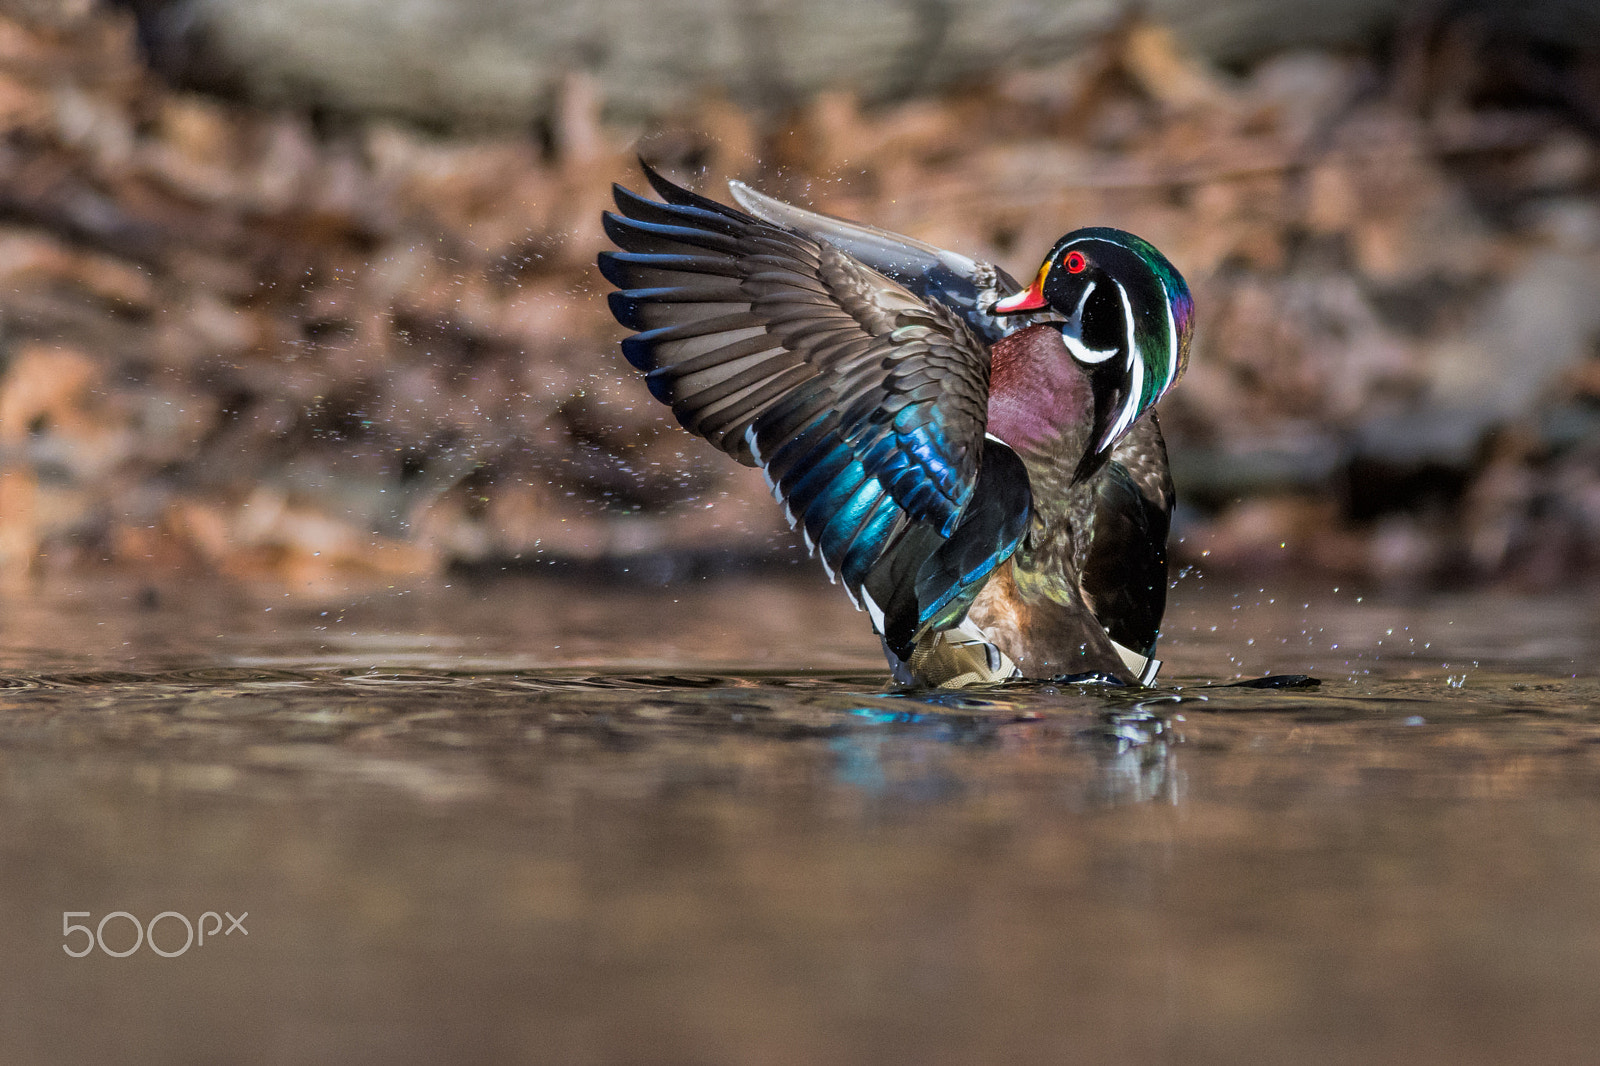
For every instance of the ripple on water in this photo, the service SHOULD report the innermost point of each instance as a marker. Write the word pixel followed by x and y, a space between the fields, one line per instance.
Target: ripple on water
pixel 751 700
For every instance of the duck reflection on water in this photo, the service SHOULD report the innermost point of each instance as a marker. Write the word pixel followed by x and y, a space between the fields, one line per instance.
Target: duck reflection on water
pixel 903 753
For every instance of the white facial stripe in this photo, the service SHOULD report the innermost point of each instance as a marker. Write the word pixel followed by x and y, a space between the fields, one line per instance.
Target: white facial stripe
pixel 1083 301
pixel 1080 351
pixel 1130 405
pixel 1172 340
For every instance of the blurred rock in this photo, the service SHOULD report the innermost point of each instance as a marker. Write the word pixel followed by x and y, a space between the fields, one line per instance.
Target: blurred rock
pixel 501 61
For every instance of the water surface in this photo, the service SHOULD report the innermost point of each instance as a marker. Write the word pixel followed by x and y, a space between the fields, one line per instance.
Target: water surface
pixel 550 821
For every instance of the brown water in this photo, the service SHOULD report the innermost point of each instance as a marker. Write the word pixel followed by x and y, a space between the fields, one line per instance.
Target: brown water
pixel 545 822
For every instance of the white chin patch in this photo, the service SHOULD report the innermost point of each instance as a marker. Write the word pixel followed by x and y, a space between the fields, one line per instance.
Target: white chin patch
pixel 1071 328
pixel 1082 352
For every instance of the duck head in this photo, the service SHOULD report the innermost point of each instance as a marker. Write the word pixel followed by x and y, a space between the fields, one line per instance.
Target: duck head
pixel 1128 319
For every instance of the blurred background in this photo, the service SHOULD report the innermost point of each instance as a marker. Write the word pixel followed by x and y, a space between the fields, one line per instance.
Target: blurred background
pixel 299 289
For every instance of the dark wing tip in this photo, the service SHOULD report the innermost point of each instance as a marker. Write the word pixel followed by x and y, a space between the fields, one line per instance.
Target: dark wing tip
pixel 665 187
pixel 677 195
pixel 659 384
pixel 631 203
pixel 639 351
pixel 611 269
pixel 616 227
pixel 625 309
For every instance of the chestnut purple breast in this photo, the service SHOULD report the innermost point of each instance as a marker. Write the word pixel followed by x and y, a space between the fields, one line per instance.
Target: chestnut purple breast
pixel 1037 393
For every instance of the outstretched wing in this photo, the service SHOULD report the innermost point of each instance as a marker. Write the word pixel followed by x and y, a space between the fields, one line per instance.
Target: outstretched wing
pixel 864 405
pixel 965 285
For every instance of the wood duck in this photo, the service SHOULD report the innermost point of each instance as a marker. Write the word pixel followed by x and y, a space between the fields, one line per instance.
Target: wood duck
pixel 976 462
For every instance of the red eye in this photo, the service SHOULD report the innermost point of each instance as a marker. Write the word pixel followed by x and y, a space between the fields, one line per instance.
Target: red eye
pixel 1075 262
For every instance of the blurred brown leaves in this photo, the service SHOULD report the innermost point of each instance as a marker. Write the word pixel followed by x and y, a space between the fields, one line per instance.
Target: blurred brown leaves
pixel 273 343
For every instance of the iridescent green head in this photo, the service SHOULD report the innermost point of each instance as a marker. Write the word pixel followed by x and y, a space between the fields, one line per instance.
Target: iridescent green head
pixel 1128 316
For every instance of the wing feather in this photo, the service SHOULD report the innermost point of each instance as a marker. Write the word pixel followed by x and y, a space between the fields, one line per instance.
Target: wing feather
pixel 966 286
pixel 864 404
